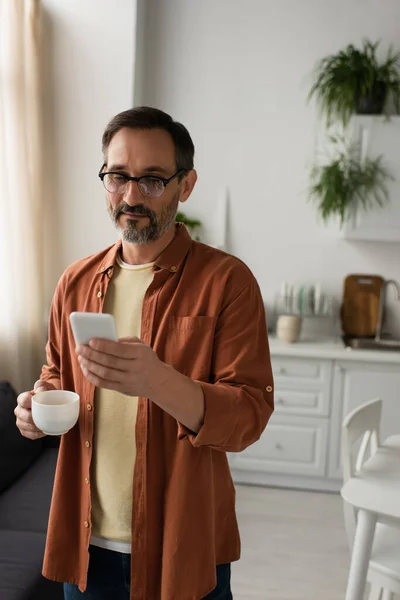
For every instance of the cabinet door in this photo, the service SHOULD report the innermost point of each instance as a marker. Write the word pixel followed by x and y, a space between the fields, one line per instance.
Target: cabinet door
pixel 289 445
pixel 302 373
pixel 353 385
pixel 378 136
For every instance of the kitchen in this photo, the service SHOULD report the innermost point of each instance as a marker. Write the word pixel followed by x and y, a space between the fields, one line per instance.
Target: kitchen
pixel 319 379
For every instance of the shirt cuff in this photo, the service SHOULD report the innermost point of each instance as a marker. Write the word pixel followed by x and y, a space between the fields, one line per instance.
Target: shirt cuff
pixel 220 416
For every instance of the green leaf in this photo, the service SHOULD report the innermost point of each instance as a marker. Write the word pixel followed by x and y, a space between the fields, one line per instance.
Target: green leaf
pixel 345 184
pixel 190 223
pixel 341 79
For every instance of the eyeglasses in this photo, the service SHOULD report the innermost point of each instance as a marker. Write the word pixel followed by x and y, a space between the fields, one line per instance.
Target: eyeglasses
pixel 150 186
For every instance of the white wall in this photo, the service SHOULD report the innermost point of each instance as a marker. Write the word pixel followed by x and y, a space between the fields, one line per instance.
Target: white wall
pixel 89 54
pixel 237 75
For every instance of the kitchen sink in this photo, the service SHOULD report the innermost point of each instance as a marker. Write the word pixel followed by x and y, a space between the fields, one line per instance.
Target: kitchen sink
pixel 371 344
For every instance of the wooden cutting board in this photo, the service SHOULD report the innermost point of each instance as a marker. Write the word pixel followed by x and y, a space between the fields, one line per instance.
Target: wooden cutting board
pixel 360 305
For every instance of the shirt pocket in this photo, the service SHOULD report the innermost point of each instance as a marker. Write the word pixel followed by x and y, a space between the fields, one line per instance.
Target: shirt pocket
pixel 189 345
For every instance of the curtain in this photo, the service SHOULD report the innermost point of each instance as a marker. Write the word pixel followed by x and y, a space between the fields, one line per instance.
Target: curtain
pixel 22 310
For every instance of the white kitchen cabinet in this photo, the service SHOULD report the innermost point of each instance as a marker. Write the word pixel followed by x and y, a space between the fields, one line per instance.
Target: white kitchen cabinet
pixel 293 445
pixel 301 373
pixel 301 402
pixel 378 136
pixel 353 384
pixel 293 449
pixel 316 386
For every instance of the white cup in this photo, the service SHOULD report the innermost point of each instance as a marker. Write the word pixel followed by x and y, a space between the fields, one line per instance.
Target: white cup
pixel 55 411
pixel 288 328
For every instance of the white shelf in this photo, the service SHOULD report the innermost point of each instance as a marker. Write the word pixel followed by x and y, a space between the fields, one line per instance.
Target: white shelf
pixel 377 135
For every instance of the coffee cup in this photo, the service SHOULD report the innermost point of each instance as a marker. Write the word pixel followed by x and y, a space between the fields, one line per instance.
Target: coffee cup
pixel 55 411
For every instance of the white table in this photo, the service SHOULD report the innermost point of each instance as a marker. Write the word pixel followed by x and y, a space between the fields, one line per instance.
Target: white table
pixel 375 491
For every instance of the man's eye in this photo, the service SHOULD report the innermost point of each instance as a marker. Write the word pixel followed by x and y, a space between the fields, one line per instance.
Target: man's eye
pixel 154 182
pixel 119 178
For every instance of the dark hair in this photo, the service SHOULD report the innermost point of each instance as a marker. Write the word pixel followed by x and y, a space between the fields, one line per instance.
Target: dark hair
pixel 145 117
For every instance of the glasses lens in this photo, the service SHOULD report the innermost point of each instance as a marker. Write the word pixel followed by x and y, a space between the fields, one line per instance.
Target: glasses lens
pixel 151 187
pixel 115 183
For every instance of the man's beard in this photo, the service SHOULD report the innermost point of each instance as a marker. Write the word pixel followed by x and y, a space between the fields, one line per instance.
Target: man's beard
pixel 158 225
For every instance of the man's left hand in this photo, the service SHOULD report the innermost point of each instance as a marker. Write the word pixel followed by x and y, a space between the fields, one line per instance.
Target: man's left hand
pixel 128 366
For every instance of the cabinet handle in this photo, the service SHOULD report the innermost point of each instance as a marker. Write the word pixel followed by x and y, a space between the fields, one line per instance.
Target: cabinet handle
pixel 278 446
pixel 282 370
pixel 280 401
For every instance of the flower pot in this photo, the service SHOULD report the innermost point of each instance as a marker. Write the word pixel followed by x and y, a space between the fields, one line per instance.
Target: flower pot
pixel 288 328
pixel 372 103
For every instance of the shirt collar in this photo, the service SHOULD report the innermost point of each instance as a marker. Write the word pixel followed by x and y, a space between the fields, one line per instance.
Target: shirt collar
pixel 171 258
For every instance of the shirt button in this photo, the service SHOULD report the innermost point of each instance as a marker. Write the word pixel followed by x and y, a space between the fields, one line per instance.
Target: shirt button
pixel 99 294
pixel 87 444
pixel 86 524
pixel 86 480
pixel 174 268
pixel 89 407
pixel 269 388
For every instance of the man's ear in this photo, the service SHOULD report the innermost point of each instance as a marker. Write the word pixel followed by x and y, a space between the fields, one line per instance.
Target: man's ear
pixel 188 183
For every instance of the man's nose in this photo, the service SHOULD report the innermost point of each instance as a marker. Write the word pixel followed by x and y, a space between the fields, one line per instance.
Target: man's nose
pixel 132 195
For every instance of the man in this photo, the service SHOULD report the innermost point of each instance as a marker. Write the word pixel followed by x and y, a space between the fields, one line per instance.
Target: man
pixel 143 504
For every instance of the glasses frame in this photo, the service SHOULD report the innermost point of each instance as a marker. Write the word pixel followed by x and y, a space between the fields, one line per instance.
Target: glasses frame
pixel 165 180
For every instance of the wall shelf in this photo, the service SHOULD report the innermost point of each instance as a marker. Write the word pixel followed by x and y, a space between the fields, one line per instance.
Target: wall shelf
pixel 377 135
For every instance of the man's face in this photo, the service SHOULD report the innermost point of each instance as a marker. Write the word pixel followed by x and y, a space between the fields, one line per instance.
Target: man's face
pixel 136 152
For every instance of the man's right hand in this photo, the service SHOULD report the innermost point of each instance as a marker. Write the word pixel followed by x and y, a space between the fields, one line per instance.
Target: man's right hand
pixel 23 411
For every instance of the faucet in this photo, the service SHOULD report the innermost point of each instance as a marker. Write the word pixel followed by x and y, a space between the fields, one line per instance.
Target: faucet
pixel 382 303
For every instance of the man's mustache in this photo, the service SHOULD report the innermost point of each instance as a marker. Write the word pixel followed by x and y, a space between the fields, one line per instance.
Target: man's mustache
pixel 138 209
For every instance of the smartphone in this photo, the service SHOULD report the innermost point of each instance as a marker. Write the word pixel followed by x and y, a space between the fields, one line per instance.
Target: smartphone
pixel 87 325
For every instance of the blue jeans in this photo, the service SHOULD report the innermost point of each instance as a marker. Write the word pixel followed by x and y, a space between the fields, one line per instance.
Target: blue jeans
pixel 109 578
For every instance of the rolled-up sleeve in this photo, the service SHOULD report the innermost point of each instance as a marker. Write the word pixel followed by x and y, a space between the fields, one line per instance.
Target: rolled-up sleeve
pixel 240 399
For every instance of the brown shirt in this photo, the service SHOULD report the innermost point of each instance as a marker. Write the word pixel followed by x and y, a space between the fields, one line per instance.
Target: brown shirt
pixel 204 315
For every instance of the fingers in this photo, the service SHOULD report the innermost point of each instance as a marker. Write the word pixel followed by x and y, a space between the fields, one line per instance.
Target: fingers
pixel 25 400
pixel 88 355
pixel 103 383
pixel 26 424
pixel 32 435
pixel 42 386
pixel 127 349
pixel 24 416
pixel 101 370
pixel 24 419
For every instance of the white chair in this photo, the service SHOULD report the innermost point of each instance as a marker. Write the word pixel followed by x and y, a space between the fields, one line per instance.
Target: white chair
pixel 363 424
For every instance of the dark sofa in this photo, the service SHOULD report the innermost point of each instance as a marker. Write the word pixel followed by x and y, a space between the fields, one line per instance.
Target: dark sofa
pixel 26 482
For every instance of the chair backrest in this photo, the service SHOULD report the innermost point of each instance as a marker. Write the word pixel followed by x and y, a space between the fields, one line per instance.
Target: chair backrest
pixel 362 424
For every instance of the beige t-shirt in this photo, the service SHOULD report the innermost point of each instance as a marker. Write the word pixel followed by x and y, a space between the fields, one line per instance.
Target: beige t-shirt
pixel 114 443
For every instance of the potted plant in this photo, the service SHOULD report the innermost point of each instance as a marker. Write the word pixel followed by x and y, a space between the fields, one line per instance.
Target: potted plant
pixel 354 81
pixel 193 225
pixel 345 182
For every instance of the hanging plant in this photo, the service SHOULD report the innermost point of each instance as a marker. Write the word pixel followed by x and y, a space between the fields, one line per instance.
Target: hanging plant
pixel 346 183
pixel 353 81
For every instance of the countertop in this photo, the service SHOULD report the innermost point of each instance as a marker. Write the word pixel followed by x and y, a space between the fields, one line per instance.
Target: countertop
pixel 331 349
